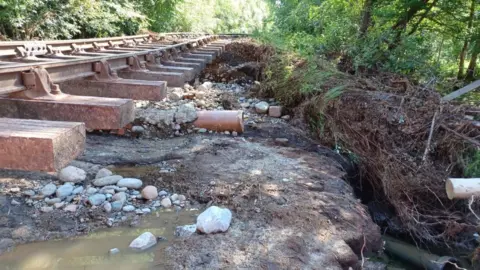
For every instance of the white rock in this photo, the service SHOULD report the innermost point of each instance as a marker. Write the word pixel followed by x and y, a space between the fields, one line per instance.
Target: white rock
pixel 214 219
pixel 72 174
pixel 174 197
pixel 138 129
pixel 52 201
pixel 46 209
pixel 117 205
pixel 205 86
pixel 97 199
pixel 103 173
pixel 162 193
pixel 262 107
pixel 145 241
pixel 200 94
pixel 176 94
pixel 64 191
pixel 107 191
pixel 109 222
pixel 245 105
pixel 107 207
pixel 71 208
pixel 186 230
pixel 48 190
pixel 29 193
pixel 128 208
pixel 14 202
pixel 59 205
pixel 77 190
pixel 200 103
pixel 121 197
pixel 91 190
pixel 108 180
pixel 146 210
pixel 182 198
pixel 156 116
pixel 185 113
pixel 114 251
pixel 130 183
pixel 166 202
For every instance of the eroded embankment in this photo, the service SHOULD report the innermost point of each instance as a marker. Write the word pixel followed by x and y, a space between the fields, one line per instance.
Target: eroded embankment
pixel 382 122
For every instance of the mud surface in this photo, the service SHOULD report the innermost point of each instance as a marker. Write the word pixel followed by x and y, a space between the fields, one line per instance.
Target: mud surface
pixel 291 207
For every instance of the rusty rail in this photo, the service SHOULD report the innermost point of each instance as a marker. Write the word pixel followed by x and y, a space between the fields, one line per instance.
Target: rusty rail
pixel 72 59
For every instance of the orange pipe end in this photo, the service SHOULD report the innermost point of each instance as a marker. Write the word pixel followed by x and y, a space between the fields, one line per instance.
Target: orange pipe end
pixel 220 120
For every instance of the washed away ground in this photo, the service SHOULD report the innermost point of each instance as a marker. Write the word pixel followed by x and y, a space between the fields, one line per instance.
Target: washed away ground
pixel 292 208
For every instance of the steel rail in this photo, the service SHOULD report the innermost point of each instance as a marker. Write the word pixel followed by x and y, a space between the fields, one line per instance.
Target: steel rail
pixel 11 74
pixel 8 48
pixel 18 66
pixel 90 40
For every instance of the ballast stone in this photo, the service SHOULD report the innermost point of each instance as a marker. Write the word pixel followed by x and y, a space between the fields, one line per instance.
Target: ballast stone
pixel 72 174
pixel 130 183
pixel 106 181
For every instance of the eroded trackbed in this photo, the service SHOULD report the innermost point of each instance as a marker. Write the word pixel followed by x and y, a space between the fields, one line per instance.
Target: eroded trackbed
pixel 91 82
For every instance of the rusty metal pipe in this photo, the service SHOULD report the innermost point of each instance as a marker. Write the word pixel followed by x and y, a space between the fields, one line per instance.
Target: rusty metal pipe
pixel 220 120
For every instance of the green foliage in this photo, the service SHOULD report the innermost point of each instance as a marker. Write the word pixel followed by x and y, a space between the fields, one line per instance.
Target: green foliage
pixel 420 38
pixel 219 16
pixel 472 168
pixel 65 19
pixel 333 93
pixel 161 14
pixel 53 19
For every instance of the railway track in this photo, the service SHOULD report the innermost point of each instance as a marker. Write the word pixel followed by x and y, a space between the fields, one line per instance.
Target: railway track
pixel 86 84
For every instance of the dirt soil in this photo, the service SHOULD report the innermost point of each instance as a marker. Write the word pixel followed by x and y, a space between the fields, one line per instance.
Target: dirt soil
pixel 292 208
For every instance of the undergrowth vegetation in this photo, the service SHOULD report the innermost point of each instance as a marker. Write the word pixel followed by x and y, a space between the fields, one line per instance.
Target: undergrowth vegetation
pixel 433 42
pixel 367 77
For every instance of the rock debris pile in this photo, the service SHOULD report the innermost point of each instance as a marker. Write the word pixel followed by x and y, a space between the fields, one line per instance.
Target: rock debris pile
pixel 175 116
pixel 112 193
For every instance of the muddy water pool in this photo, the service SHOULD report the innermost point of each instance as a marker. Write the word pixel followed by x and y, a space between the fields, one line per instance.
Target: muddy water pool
pixel 91 252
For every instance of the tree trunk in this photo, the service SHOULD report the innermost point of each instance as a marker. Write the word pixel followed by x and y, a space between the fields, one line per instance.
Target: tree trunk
pixel 461 64
pixel 366 17
pixel 470 76
pixel 422 17
pixel 402 23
